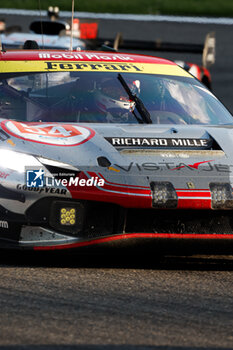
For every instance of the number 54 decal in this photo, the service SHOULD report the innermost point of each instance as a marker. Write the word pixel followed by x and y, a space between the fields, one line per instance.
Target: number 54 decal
pixel 49 133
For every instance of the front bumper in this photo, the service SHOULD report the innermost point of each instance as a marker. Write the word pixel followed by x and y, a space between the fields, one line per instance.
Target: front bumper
pixel 103 224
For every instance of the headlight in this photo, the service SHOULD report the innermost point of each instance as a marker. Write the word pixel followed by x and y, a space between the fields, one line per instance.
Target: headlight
pixel 221 195
pixel 163 195
pixel 17 161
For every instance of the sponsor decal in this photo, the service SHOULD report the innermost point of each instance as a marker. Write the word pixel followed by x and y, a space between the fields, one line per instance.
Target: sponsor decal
pixel 51 190
pixel 151 142
pixel 84 56
pixel 205 166
pixel 87 66
pixel 4 224
pixel 193 166
pixel 49 133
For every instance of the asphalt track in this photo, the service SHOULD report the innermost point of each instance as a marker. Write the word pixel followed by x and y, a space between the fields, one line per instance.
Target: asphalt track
pixel 119 303
pixel 116 302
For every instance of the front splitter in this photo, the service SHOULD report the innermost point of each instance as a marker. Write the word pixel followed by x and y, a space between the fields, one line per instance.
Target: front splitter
pixel 154 242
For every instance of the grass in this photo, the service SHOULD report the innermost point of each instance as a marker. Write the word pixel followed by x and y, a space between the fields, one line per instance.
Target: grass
pixel 216 8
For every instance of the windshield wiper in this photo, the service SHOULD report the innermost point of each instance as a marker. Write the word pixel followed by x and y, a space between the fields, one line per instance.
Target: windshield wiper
pixel 145 115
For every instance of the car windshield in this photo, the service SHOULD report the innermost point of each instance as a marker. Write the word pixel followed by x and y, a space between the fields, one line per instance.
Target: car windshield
pixel 100 98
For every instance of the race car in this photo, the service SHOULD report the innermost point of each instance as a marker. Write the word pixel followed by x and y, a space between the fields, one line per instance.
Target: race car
pixel 102 148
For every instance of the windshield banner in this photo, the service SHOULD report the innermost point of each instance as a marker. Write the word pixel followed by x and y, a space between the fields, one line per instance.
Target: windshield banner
pixel 121 67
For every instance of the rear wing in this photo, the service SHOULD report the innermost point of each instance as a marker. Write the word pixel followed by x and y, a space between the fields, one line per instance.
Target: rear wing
pixel 207 49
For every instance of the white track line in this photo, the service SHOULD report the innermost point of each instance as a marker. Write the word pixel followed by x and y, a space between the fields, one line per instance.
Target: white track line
pixel 125 17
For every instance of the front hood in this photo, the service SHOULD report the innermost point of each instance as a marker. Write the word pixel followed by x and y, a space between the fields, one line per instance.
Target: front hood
pixel 132 159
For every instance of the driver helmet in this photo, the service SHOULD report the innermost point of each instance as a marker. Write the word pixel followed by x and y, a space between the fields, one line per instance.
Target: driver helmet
pixel 112 98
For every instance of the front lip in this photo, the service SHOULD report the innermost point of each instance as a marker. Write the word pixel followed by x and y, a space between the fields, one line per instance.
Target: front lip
pixel 139 238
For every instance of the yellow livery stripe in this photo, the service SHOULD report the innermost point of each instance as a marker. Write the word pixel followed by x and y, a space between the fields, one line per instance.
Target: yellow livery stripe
pixel 121 67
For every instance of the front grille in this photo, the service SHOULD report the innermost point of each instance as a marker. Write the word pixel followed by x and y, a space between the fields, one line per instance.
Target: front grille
pixel 95 219
pixel 179 221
